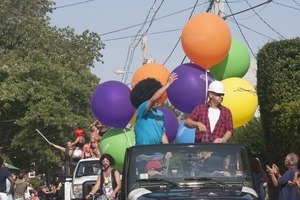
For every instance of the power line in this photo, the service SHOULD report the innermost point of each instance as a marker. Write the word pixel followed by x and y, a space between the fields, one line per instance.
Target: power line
pixel 239 28
pixel 154 33
pixel 241 25
pixel 158 18
pixel 296 3
pixel 245 10
pixel 265 21
pixel 287 6
pixel 74 4
pixel 168 57
pixel 132 47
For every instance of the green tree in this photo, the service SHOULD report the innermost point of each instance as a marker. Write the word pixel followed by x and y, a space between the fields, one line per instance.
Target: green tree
pixel 278 75
pixel 251 135
pixel 46 80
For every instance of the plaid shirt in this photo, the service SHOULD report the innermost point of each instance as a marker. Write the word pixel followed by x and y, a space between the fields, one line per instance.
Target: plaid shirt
pixel 224 124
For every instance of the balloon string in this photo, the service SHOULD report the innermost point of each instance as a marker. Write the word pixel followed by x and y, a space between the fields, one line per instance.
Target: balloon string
pixel 206 85
pixel 127 138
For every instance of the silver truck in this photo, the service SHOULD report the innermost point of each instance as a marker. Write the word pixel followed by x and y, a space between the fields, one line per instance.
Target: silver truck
pixel 83 179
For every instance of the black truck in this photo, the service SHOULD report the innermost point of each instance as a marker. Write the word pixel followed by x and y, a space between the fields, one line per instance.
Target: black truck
pixel 190 171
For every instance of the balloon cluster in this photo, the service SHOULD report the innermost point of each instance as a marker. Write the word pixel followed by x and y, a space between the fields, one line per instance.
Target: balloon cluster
pixel 206 41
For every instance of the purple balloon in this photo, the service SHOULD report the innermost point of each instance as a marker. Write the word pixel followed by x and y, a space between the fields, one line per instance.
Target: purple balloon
pixel 171 123
pixel 190 89
pixel 111 104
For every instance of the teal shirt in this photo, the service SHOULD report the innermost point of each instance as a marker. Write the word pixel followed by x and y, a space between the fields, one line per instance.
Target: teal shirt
pixel 149 125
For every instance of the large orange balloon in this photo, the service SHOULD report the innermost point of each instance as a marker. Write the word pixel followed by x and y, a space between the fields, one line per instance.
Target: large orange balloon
pixel 206 39
pixel 152 70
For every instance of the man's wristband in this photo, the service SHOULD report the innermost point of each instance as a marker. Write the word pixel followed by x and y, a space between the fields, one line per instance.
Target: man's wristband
pixel 92 195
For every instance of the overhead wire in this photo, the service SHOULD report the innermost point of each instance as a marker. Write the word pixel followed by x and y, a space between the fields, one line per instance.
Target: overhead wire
pixel 264 21
pixel 284 5
pixel 154 33
pixel 228 17
pixel 250 29
pixel 296 3
pixel 158 18
pixel 239 27
pixel 74 4
pixel 241 32
pixel 132 49
pixel 168 57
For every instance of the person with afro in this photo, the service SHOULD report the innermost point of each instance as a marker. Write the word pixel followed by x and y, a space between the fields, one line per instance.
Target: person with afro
pixel 149 125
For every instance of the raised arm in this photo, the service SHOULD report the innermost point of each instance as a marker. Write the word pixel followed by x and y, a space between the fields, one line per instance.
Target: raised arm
pixel 158 94
pixel 58 147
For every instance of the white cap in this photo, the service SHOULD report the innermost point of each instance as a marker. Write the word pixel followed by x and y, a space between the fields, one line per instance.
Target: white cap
pixel 217 87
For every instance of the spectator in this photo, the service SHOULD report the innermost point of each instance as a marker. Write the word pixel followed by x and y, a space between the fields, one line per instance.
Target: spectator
pixel 10 196
pixel 5 174
pixel 149 125
pixel 76 154
pixel 213 122
pixel 78 143
pixel 20 188
pixel 155 169
pixel 44 192
pixel 296 182
pixel 87 152
pixel 108 181
pixel 286 191
pixel 258 181
pixel 94 140
pixel 33 195
pixel 296 179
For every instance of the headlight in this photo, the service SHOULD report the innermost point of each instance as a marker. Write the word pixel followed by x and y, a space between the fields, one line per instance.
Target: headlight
pixel 77 191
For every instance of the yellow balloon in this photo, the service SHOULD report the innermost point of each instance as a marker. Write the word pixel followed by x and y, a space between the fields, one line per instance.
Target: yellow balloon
pixel 241 98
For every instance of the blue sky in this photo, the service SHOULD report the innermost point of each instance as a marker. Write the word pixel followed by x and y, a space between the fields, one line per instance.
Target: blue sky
pixel 119 21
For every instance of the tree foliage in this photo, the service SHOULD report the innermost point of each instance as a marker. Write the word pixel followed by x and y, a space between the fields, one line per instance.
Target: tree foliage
pixel 45 82
pixel 251 135
pixel 278 75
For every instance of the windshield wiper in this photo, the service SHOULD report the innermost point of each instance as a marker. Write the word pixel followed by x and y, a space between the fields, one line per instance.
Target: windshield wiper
pixel 160 180
pixel 205 179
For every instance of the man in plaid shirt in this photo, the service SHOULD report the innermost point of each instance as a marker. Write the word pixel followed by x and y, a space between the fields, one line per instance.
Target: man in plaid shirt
pixel 213 122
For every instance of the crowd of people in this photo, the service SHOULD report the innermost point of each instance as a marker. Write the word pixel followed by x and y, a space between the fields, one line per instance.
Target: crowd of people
pixel 270 184
pixel 78 148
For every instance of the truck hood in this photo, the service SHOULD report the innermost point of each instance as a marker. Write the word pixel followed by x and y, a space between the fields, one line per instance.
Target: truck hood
pixel 80 180
pixel 188 193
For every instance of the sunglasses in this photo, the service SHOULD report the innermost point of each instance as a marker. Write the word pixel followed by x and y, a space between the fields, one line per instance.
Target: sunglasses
pixel 105 161
pixel 218 94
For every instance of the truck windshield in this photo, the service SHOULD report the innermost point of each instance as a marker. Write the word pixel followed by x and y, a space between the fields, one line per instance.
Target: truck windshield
pixel 88 168
pixel 222 163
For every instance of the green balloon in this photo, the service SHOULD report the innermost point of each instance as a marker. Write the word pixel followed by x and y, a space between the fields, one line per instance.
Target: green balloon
pixel 235 64
pixel 114 142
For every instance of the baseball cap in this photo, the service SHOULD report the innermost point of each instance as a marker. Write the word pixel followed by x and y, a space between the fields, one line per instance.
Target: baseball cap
pixel 154 164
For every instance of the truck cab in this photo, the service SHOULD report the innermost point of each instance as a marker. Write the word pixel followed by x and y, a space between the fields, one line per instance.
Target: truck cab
pixel 194 171
pixel 83 179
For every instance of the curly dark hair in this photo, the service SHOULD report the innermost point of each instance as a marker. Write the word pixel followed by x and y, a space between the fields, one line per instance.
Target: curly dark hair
pixel 108 157
pixel 143 91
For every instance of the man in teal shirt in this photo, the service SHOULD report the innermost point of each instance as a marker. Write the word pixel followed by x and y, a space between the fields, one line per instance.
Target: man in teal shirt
pixel 149 125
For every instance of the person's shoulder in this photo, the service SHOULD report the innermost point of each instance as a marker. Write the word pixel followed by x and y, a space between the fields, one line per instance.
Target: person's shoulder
pixel 5 170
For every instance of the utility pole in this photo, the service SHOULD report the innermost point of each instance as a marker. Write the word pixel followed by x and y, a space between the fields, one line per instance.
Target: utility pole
pixel 219 7
pixel 144 49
